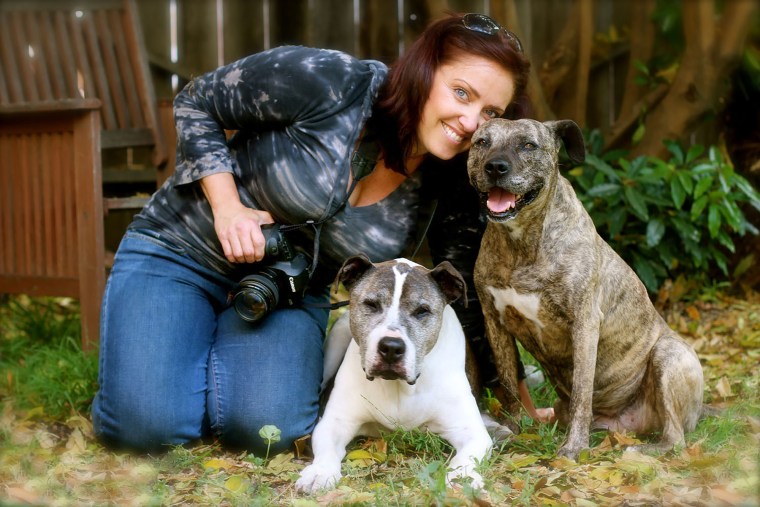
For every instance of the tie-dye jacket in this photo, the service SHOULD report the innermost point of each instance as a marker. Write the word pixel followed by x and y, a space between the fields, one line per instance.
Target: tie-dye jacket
pixel 298 113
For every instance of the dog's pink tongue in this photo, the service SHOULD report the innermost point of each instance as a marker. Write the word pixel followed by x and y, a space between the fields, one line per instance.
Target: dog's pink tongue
pixel 499 200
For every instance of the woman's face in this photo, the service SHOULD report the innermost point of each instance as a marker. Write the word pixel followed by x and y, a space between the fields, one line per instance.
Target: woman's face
pixel 466 92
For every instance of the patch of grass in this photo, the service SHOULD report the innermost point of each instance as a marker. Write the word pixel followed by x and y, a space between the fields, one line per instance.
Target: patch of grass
pixel 40 353
pixel 419 443
pixel 56 460
pixel 728 429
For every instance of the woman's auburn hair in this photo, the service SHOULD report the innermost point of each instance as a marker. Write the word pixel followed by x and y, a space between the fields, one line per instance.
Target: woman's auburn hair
pixel 402 97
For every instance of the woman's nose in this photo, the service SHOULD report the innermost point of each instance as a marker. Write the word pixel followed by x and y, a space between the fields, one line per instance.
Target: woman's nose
pixel 470 121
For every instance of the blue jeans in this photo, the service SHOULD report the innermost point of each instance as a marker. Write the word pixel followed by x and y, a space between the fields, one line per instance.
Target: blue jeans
pixel 178 364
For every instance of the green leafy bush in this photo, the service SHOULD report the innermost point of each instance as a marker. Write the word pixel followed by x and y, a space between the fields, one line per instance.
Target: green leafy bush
pixel 666 218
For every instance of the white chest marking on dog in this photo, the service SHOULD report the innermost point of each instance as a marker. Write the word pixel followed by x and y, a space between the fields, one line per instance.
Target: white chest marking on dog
pixel 526 304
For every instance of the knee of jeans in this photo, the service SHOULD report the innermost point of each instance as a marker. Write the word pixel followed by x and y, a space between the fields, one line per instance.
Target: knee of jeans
pixel 151 433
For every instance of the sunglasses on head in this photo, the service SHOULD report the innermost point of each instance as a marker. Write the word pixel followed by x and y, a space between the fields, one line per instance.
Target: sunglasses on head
pixel 483 24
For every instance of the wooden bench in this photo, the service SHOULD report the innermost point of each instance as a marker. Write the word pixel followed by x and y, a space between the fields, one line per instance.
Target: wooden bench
pixel 65 64
pixel 51 207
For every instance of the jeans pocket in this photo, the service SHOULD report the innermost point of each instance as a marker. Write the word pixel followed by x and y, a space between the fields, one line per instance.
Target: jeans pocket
pixel 156 238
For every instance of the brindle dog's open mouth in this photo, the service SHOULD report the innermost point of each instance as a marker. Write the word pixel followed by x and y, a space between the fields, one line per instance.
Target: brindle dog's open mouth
pixel 501 205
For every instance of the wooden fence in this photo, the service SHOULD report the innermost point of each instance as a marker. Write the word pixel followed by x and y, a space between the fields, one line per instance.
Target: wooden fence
pixel 189 37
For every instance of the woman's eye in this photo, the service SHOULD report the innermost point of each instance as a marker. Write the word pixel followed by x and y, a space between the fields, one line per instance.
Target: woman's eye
pixel 491 113
pixel 462 94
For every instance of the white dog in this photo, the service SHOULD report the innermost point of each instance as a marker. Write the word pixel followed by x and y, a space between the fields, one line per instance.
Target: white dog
pixel 404 367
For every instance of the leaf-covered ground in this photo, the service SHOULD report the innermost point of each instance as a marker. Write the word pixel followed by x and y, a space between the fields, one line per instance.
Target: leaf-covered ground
pixel 57 462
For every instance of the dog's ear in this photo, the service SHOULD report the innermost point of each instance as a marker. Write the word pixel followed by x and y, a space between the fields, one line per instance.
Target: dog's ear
pixel 353 268
pixel 450 282
pixel 572 136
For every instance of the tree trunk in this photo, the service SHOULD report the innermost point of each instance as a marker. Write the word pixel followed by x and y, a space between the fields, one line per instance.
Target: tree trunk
pixel 635 96
pixel 562 57
pixel 505 12
pixel 706 63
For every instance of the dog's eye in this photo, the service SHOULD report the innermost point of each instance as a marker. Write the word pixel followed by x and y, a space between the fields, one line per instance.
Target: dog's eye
pixel 529 146
pixel 371 305
pixel 482 142
pixel 421 311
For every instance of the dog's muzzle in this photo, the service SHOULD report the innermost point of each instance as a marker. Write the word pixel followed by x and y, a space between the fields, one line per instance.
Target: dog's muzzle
pixel 389 363
pixel 499 202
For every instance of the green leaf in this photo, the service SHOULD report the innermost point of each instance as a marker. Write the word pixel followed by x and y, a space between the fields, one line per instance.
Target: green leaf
pixel 684 177
pixel 732 214
pixel 655 232
pixel 725 240
pixel 714 156
pixel 713 219
pixel 699 206
pixel 638 205
pixel 641 67
pixel 604 190
pixel 646 273
pixel 617 220
pixel 270 433
pixel 675 149
pixel 602 166
pixel 703 185
pixel 678 192
pixel 638 134
pixel 748 190
pixel 744 265
pixel 694 153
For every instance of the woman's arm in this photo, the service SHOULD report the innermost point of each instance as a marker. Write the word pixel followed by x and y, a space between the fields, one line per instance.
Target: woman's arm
pixel 237 227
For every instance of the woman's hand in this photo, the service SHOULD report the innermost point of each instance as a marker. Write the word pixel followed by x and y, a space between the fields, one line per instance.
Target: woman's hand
pixel 239 232
pixel 237 226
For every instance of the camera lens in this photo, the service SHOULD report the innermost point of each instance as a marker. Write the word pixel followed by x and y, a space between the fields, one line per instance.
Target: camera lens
pixel 257 296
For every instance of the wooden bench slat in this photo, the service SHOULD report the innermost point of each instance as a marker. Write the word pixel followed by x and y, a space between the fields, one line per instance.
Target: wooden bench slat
pixel 67 64
pixel 97 71
pixel 36 55
pixel 113 77
pixel 82 63
pixel 125 69
pixel 18 45
pixel 52 58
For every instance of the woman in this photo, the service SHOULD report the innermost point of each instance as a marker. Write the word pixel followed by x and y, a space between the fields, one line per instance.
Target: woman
pixel 177 361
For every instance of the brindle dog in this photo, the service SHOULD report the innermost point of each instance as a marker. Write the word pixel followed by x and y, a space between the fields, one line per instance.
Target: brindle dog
pixel 546 278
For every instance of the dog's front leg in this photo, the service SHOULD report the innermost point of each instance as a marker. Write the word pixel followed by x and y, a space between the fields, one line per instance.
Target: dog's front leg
pixel 461 425
pixel 472 446
pixel 329 441
pixel 506 356
pixel 585 337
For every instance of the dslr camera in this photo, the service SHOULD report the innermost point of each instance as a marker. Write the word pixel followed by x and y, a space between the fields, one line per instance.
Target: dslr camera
pixel 280 279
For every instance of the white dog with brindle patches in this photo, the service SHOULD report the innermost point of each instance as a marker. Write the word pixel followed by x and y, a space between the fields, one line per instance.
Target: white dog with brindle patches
pixel 404 368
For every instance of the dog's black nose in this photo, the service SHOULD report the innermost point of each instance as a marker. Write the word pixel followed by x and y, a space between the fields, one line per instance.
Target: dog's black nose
pixel 391 349
pixel 496 167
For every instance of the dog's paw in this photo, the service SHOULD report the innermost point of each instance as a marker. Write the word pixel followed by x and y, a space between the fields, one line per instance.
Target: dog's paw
pixel 316 477
pixel 464 473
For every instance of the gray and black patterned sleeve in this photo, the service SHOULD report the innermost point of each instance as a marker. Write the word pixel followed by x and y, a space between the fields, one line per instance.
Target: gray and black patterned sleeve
pixel 276 89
